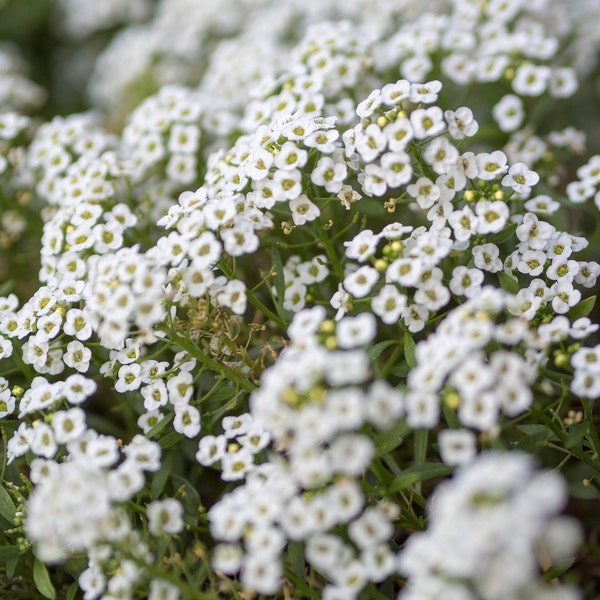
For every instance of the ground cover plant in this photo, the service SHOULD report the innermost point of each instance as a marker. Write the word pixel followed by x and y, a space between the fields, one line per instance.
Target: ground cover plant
pixel 297 299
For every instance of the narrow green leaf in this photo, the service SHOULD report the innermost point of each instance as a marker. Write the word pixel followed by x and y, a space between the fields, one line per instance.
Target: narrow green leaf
pixel 154 431
pixel 508 283
pixel 11 567
pixel 296 553
pixel 419 473
pixel 421 439
pixel 409 350
pixel 189 497
pixel 377 350
pixel 8 552
pixel 160 478
pixel 72 591
pixel 450 416
pixel 535 437
pixel 389 440
pixel 557 569
pixel 170 439
pixel 576 434
pixel 41 578
pixel 7 506
pixel 278 279
pixel 583 309
pixel 506 233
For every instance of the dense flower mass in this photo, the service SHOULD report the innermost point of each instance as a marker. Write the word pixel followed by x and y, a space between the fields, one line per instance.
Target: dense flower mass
pixel 297 300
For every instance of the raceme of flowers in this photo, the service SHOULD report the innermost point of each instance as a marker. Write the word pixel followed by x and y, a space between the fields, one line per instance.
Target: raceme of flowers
pixel 303 340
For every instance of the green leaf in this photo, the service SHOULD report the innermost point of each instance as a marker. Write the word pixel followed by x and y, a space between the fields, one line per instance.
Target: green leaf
pixel 154 431
pixel 7 506
pixel 377 350
pixel 419 473
pixel 11 567
pixel 508 283
pixel 278 279
pixel 576 434
pixel 557 569
pixel 170 439
pixel 450 416
pixel 160 478
pixel 583 309
pixel 389 440
pixel 421 438
pixel 42 580
pixel 296 554
pixel 8 552
pixel 189 497
pixel 409 350
pixel 535 437
pixel 506 233
pixel 72 591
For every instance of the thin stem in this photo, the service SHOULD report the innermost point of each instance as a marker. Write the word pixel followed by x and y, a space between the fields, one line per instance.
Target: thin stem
pixel 210 363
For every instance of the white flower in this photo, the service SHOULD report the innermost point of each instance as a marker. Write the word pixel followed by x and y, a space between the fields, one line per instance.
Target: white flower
pixel 424 191
pixel 466 281
pixel 77 356
pixel 211 449
pixel 187 420
pixel 235 464
pixel 303 210
pixel 532 262
pixel 492 215
pixel 393 93
pixel 389 304
pixel 371 529
pixel 426 93
pixel 165 516
pixel 374 181
pixel 398 134
pixel 457 446
pixel 233 296
pixel 490 165
pixel 520 178
pixel 509 113
pixel 461 123
pixel 487 257
pixel 329 173
pixel 397 167
pixel 370 142
pixel 68 425
pixel 565 296
pixel 422 409
pixel 360 282
pixel 352 332
pixel 368 106
pixel 427 122
pixel 531 80
pixel 262 574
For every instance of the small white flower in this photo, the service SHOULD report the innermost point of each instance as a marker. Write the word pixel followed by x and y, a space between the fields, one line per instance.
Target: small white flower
pixel 165 516
pixel 509 112
pixel 427 122
pixel 360 282
pixel 352 332
pixel 457 446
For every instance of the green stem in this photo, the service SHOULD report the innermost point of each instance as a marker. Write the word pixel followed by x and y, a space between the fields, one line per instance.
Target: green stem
pixel 210 363
pixel 269 314
pixel 562 436
pixel 331 254
pixel 594 437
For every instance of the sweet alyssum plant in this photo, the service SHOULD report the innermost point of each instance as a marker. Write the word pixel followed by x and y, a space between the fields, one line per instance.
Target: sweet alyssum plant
pixel 336 341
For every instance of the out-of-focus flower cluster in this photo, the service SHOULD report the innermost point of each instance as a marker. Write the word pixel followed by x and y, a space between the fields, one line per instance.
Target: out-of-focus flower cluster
pixel 308 307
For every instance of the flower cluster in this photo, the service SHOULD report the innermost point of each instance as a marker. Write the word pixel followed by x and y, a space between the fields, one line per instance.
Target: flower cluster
pixel 469 549
pixel 308 308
